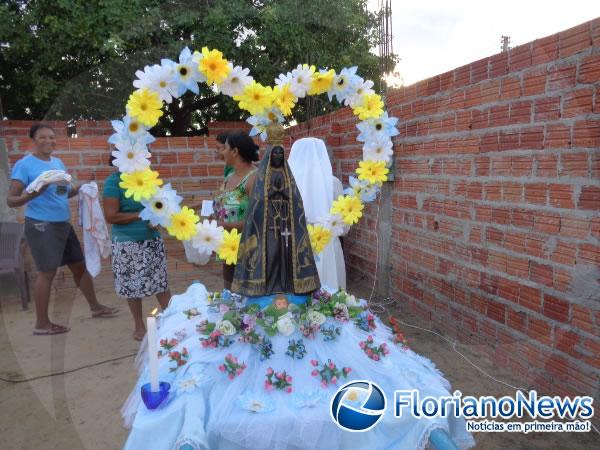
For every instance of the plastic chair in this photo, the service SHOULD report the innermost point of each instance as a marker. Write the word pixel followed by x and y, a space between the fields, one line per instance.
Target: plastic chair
pixel 11 257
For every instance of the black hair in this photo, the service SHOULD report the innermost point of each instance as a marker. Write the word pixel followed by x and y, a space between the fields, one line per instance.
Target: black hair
pixel 38 126
pixel 222 137
pixel 244 144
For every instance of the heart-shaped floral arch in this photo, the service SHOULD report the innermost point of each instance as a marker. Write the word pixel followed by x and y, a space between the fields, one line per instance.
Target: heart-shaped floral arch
pixel 267 105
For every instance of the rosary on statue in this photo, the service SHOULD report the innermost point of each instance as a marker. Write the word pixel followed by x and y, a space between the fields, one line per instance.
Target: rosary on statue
pixel 282 214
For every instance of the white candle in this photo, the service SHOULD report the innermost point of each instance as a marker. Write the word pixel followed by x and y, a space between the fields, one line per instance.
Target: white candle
pixel 152 354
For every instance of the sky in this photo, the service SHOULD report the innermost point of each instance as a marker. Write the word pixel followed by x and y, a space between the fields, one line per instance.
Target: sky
pixel 434 36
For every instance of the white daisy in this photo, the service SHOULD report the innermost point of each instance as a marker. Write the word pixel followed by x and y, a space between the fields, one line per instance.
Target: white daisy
pixel 358 88
pixel 189 384
pixel 159 209
pixel 186 72
pixel 208 237
pixel 236 81
pixel 131 157
pixel 342 84
pixel 301 80
pixel 335 223
pixel 378 150
pixel 159 79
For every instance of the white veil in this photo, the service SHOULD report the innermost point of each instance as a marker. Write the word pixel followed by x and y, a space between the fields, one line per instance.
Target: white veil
pixel 310 165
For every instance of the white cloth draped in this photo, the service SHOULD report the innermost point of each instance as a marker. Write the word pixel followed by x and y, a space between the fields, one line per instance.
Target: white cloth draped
pixel 96 239
pixel 310 165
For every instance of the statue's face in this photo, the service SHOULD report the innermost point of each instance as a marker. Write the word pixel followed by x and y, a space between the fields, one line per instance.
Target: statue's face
pixel 277 157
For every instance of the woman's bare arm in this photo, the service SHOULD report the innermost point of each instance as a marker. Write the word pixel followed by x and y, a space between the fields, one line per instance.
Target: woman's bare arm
pixel 112 214
pixel 18 196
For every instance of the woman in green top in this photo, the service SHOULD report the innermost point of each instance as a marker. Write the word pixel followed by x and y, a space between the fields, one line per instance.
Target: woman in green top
pixel 139 260
pixel 231 204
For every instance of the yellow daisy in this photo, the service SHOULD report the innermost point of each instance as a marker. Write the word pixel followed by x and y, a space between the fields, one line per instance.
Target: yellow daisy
pixel 321 82
pixel 145 106
pixel 213 66
pixel 349 207
pixel 375 172
pixel 183 224
pixel 370 108
pixel 284 98
pixel 141 185
pixel 228 251
pixel 319 237
pixel 256 98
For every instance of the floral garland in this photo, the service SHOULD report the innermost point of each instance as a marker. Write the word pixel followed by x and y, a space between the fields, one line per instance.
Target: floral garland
pixel 160 84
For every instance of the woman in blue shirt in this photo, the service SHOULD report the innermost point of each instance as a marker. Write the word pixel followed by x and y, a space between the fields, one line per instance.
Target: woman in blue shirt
pixel 49 233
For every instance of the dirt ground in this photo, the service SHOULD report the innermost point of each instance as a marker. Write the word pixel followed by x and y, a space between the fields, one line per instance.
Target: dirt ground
pixel 80 409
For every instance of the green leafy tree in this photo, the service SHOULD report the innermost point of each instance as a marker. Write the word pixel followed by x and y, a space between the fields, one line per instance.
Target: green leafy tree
pixel 62 59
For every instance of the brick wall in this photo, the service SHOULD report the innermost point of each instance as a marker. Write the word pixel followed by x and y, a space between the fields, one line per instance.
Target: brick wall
pixel 496 231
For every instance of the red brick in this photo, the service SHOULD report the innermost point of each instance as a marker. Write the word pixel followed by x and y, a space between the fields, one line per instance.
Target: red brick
pixel 532 138
pixel 557 136
pixel 523 218
pixel 556 309
pixel 508 140
pixel 574 227
pixel 462 76
pixel 586 133
pixel 574 164
pixel 589 69
pixel 546 165
pixel 546 222
pixel 574 40
pixel 561 195
pixel 517 320
pixel 512 192
pixel 521 166
pixel 498 65
pixel 482 165
pixel 496 311
pixel 562 280
pixel 561 77
pixel 545 50
pixel 489 143
pixel 530 298
pixel 520 112
pixel 588 254
pixel 501 165
pixel 540 330
pixel 479 70
pixel 534 81
pixel 578 102
pixel 546 109
pixel 520 57
pixel 589 198
pixel 595 227
pixel 510 88
pixel 499 115
pixel 536 193
pixel 581 318
pixel 541 273
pixel 564 253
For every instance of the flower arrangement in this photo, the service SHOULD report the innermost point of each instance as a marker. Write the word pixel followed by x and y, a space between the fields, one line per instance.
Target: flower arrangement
pixel 164 83
pixel 180 358
pixel 167 345
pixel 265 349
pixel 215 339
pixel 192 312
pixel 365 321
pixel 331 333
pixel 374 352
pixel 296 349
pixel 397 336
pixel 328 372
pixel 232 366
pixel 278 380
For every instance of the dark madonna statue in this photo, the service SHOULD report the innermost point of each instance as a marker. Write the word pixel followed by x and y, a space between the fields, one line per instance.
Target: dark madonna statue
pixel 275 255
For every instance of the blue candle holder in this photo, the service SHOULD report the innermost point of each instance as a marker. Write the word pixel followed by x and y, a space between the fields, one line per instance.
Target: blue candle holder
pixel 152 400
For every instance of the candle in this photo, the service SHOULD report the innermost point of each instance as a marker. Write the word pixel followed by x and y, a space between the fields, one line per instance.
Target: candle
pixel 152 352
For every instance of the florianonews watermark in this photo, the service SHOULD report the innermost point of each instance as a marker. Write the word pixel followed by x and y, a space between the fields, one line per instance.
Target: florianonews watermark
pixel 576 409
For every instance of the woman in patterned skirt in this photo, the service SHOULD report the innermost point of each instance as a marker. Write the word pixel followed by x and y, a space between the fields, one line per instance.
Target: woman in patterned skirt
pixel 139 261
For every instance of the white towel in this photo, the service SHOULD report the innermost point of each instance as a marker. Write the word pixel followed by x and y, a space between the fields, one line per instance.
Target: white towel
pixel 96 240
pixel 59 177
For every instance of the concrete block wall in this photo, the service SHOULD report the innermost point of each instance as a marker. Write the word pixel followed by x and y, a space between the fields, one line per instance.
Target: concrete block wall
pixel 495 206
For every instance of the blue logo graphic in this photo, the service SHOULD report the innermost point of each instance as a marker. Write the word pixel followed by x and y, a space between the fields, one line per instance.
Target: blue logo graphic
pixel 358 405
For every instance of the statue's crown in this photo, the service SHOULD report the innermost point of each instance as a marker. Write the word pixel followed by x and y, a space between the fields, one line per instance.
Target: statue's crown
pixel 275 134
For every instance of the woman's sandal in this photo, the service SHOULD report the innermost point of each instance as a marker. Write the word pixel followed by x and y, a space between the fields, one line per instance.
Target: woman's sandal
pixel 54 329
pixel 106 311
